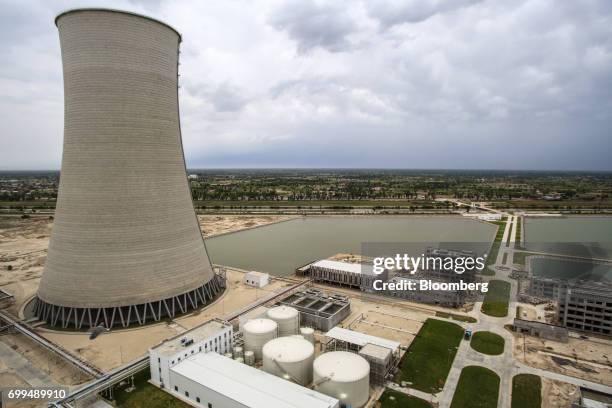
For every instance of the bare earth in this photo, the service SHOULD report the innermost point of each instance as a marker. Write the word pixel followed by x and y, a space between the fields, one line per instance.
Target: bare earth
pixel 557 394
pixel 212 225
pixel 588 359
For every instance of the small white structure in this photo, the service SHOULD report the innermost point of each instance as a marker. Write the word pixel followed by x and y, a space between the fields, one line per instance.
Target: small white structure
pixel 256 279
pixel 484 216
pixel 214 335
pixel 289 358
pixel 288 319
pixel 211 380
pixel 343 375
pixel 258 332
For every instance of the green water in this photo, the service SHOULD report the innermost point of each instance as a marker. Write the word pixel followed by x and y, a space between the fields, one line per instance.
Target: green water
pixel 280 248
pixel 589 237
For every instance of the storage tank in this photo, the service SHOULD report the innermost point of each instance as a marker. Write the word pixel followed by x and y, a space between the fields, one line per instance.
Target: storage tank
pixel 343 375
pixel 249 358
pixel 288 319
pixel 238 351
pixel 290 358
pixel 258 332
pixel 308 333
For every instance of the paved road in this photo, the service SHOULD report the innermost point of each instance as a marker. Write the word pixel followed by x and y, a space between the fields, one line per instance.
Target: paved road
pixel 504 365
pixel 24 368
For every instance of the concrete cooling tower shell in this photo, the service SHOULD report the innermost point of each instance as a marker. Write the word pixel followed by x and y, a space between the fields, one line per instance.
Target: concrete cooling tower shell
pixel 343 375
pixel 126 246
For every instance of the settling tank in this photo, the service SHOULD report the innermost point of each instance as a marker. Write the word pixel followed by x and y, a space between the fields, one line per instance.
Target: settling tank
pixel 343 375
pixel 290 358
pixel 258 332
pixel 288 319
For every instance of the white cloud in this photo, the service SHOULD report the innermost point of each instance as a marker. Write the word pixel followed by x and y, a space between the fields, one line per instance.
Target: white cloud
pixel 350 84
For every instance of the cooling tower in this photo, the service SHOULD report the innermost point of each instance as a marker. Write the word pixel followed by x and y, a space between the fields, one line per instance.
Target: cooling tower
pixel 126 247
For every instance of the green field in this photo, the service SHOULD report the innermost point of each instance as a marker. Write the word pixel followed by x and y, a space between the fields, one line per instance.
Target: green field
pixel 517 239
pixel 428 360
pixel 492 256
pixel 526 391
pixel 487 343
pixel 459 318
pixel 496 300
pixel 520 258
pixel 478 387
pixel 395 399
pixel 146 395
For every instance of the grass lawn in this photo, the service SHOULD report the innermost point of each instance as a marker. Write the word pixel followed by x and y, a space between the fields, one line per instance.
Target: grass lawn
pixel 395 399
pixel 146 395
pixel 520 258
pixel 517 239
pixel 459 318
pixel 487 343
pixel 492 256
pixel 496 300
pixel 428 360
pixel 526 391
pixel 478 387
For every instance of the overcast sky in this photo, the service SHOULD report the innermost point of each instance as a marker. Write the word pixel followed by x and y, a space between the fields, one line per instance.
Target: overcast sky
pixel 382 84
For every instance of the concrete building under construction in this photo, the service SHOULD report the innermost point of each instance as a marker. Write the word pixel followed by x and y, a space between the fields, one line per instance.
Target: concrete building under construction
pixel 581 305
pixel 126 247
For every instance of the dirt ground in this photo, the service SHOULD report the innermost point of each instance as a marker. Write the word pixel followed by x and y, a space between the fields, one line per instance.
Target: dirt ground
pixel 588 359
pixel 212 225
pixel 61 372
pixel 557 394
pixel 9 379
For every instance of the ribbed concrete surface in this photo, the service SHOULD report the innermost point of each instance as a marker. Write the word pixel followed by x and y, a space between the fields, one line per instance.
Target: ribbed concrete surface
pixel 125 229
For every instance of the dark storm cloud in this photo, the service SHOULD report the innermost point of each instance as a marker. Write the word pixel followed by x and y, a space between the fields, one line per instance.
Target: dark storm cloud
pixel 420 84
pixel 314 24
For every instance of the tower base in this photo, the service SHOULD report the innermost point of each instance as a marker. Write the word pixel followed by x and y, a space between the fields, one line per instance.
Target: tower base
pixel 124 316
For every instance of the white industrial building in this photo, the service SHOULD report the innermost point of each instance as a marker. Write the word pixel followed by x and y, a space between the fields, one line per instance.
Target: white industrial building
pixel 215 336
pixel 355 275
pixel 210 380
pixel 256 279
pixel 381 354
pixel 359 339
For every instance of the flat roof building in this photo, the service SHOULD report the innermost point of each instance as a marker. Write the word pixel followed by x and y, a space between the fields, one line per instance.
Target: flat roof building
pixel 212 380
pixel 355 275
pixel 212 336
pixel 581 305
pixel 319 310
pixel 359 339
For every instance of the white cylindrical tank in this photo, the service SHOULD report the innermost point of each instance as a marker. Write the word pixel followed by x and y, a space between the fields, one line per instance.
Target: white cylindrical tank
pixel 258 332
pixel 343 375
pixel 238 351
pixel 290 358
pixel 249 358
pixel 308 333
pixel 288 319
